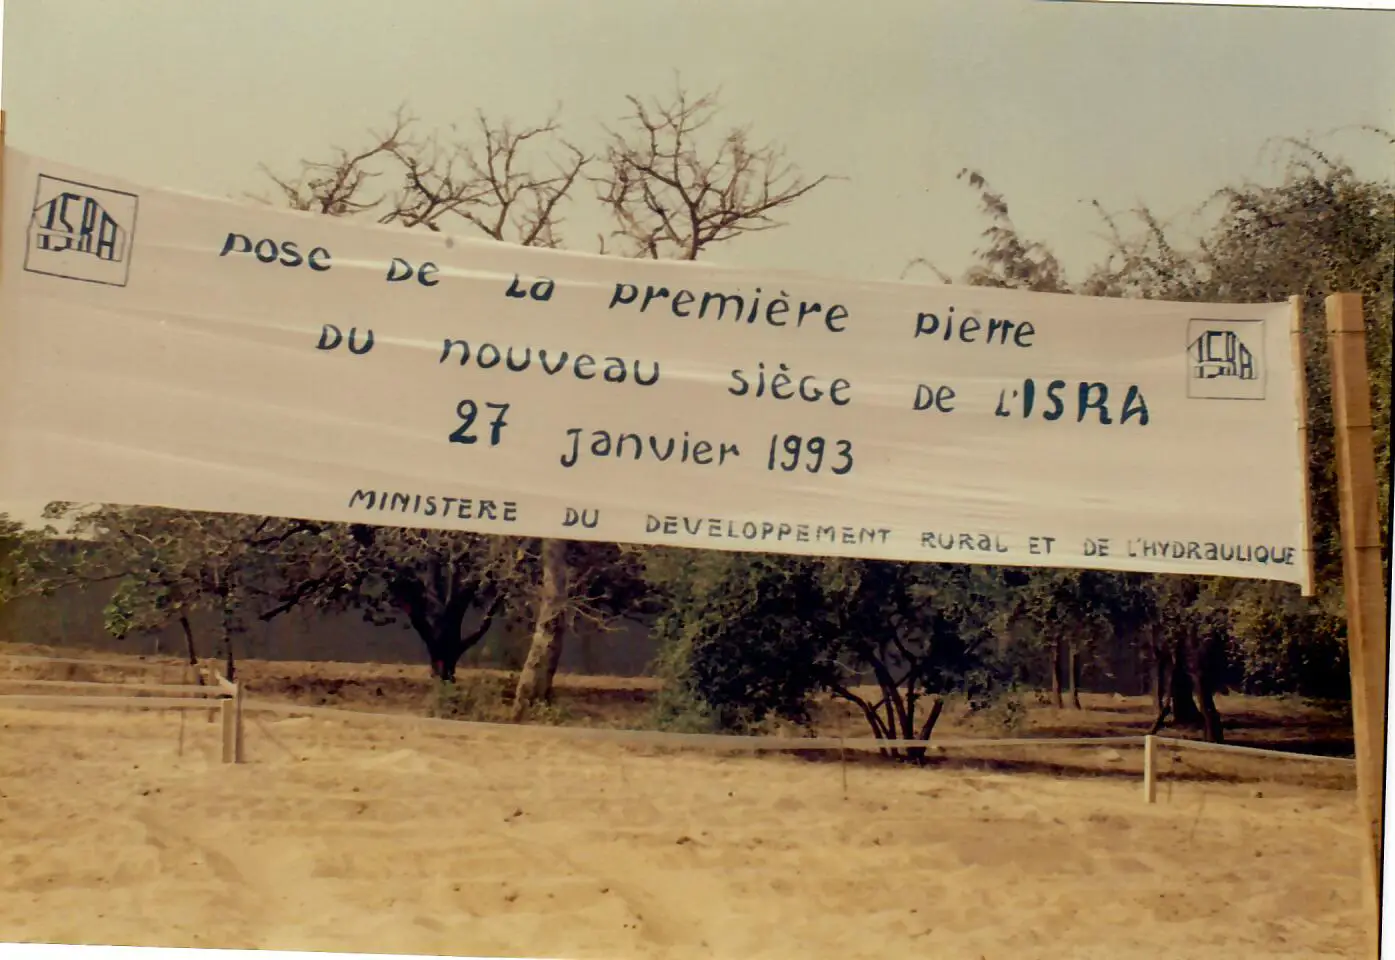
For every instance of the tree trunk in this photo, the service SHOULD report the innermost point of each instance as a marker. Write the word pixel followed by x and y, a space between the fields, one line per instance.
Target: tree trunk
pixel 189 647
pixel 1178 681
pixel 446 644
pixel 1159 673
pixel 937 707
pixel 230 668
pixel 445 652
pixel 535 680
pixel 1073 675
pixel 1162 689
pixel 442 630
pixel 1056 674
pixel 917 754
pixel 1212 728
pixel 1205 682
pixel 1184 710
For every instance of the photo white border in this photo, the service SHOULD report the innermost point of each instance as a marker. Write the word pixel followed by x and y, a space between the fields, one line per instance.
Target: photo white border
pixel 26 951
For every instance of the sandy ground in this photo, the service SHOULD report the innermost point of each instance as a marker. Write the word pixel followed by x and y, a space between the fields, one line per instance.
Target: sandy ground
pixel 121 828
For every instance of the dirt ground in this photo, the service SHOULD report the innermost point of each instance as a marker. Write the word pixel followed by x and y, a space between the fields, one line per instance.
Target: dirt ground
pixel 392 836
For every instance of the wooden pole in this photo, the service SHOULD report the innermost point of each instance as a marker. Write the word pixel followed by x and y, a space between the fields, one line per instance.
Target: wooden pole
pixel 1300 370
pixel 1150 769
pixel 237 720
pixel 843 763
pixel 1367 640
pixel 2 189
pixel 229 711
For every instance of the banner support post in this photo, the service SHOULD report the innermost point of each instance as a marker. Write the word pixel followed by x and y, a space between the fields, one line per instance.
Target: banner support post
pixel 1367 637
pixel 1300 374
pixel 2 193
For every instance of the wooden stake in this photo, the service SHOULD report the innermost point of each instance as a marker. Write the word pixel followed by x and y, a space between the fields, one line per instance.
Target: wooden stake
pixel 843 763
pixel 1300 369
pixel 1150 769
pixel 237 721
pixel 229 711
pixel 1367 638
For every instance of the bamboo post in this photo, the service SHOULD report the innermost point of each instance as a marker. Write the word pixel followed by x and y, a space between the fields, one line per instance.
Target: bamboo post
pixel 1300 372
pixel 1367 639
pixel 1150 769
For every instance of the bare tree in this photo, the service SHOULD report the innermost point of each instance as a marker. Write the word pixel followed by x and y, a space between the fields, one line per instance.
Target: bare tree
pixel 486 178
pixel 336 187
pixel 492 183
pixel 673 187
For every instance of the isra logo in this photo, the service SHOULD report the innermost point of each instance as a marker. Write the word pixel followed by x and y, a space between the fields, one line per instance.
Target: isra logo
pixel 1225 360
pixel 81 232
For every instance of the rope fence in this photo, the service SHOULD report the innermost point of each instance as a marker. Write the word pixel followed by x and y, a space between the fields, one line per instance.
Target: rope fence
pixel 89 662
pixel 226 695
pixel 713 741
pixel 233 705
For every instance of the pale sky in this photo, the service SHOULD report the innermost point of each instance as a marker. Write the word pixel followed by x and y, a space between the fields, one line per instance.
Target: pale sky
pixel 1057 103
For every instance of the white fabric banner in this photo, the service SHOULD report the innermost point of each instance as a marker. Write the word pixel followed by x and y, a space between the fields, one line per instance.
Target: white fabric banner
pixel 165 349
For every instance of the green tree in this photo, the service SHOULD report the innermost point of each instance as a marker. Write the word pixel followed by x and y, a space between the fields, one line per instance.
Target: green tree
pixel 1062 616
pixel 1321 229
pixel 1068 613
pixel 744 636
pixel 168 567
pixel 760 635
pixel 11 544
pixel 450 588
pixel 174 568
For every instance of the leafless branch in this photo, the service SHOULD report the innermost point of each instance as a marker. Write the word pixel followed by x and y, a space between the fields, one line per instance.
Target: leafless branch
pixel 335 187
pixel 491 182
pixel 673 189
pixel 507 182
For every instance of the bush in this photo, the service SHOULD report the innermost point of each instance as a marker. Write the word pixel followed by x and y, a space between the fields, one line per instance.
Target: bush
pixel 480 697
pixel 487 698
